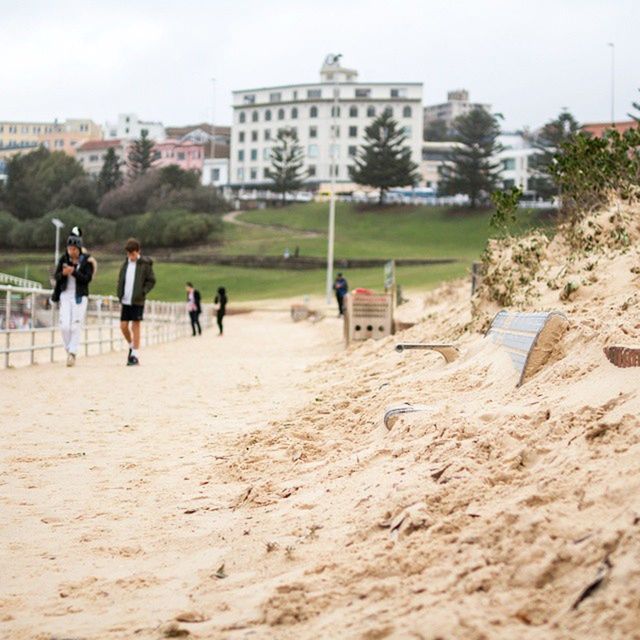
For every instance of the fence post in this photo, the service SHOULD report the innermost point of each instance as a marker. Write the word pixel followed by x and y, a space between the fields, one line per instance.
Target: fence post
pixel 7 325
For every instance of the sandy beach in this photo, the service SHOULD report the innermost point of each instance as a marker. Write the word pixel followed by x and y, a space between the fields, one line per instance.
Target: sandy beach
pixel 246 487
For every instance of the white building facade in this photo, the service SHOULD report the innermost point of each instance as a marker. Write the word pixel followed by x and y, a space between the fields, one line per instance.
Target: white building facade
pixel 215 171
pixel 309 109
pixel 515 161
pixel 129 127
pixel 457 104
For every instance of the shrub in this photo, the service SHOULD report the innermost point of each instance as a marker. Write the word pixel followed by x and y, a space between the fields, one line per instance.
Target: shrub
pixel 130 198
pixel 81 192
pixel 7 225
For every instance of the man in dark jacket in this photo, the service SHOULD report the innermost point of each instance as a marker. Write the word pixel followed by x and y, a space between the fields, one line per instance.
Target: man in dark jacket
pixel 194 308
pixel 135 280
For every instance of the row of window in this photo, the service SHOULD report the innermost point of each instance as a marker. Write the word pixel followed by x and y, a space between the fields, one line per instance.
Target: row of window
pixel 313 113
pixel 12 128
pixel 352 132
pixel 313 151
pixel 314 94
pixel 253 174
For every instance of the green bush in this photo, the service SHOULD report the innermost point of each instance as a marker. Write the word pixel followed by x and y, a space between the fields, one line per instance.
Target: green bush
pixel 7 225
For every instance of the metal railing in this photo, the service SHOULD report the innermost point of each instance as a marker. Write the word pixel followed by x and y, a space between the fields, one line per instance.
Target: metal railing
pixel 29 331
pixel 7 278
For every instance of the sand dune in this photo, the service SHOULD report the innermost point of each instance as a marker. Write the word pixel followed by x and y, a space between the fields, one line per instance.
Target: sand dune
pixel 252 489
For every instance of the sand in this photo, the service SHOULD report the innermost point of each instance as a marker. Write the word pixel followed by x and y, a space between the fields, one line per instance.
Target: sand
pixel 251 490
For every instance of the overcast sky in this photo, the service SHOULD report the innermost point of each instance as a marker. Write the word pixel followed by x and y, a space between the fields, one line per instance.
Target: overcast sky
pixel 528 58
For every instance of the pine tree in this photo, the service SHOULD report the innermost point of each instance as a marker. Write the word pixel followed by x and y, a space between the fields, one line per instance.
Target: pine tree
pixel 547 141
pixel 286 163
pixel 140 156
pixel 110 175
pixel 384 160
pixel 470 168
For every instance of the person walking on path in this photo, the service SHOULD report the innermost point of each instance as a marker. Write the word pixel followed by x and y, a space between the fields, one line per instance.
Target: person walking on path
pixel 341 288
pixel 221 302
pixel 135 281
pixel 194 308
pixel 74 272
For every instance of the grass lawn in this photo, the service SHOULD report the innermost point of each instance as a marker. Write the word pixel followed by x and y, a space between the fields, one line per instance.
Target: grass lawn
pixel 399 232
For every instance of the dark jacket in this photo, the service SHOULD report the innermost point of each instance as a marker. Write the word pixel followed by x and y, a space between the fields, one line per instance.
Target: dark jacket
pixel 196 300
pixel 143 282
pixel 221 301
pixel 83 274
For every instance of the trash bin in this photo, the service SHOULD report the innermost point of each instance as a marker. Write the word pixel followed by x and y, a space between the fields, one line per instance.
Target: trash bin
pixel 368 315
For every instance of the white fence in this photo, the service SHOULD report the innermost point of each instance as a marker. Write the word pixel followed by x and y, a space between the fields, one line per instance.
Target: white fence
pixel 29 331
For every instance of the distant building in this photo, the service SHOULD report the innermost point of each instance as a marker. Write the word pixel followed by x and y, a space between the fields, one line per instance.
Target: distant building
pixel 91 154
pixel 434 154
pixel 3 171
pixel 307 108
pixel 64 136
pixel 130 127
pixel 457 104
pixel 515 161
pixel 187 155
pixel 216 145
pixel 215 171
pixel 598 128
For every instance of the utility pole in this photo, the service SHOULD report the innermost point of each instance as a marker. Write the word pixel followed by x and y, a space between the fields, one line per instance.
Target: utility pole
pixel 333 165
pixel 213 117
pixel 613 79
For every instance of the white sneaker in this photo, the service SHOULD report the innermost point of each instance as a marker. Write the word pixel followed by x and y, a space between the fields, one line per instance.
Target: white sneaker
pixel 71 359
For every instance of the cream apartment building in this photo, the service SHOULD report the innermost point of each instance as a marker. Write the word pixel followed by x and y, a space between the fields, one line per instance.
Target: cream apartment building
pixel 308 108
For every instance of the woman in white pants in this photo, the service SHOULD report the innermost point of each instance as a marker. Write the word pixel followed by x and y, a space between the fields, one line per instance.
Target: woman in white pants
pixel 73 275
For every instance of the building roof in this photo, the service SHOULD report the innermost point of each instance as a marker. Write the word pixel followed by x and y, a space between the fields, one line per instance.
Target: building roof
pixel 98 145
pixel 598 128
pixel 179 132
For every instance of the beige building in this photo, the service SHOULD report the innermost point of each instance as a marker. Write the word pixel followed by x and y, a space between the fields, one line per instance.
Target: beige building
pixel 457 104
pixel 91 154
pixel 16 137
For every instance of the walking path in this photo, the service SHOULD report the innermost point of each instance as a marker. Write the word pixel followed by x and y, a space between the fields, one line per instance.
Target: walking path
pixel 233 218
pixel 103 470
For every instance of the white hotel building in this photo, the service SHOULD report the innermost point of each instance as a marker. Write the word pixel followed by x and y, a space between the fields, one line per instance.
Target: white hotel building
pixel 258 114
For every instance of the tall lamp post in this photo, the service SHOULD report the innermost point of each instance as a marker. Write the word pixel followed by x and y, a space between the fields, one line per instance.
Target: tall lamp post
pixel 613 79
pixel 332 59
pixel 213 127
pixel 58 225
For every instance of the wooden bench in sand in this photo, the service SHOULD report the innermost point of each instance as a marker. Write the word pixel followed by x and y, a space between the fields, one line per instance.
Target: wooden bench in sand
pixel 528 338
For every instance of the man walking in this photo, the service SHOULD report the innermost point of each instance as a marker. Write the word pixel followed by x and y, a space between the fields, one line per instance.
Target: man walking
pixel 135 281
pixel 194 308
pixel 341 288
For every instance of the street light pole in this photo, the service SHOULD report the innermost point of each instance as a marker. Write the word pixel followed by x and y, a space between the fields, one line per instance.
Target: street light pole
pixel 213 117
pixel 58 225
pixel 613 80
pixel 332 189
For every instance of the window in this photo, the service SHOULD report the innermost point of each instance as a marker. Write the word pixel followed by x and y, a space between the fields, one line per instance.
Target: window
pixel 371 112
pixel 267 134
pixel 294 132
pixel 294 113
pixel 253 174
pixel 311 170
pixel 249 98
pixel 507 184
pixel 254 116
pixel 334 150
pixel 280 114
pixel 313 112
pixel 313 151
pixel 275 97
pixel 509 164
pixel 240 173
pixel 353 112
pixel 353 132
pixel 254 136
pixel 335 130
pixel 144 132
pixel 295 95
pixel 93 158
pixel 267 115
pixel 215 175
pixel 242 116
pixel 266 174
pixel 388 111
pixel 398 93
pixel 240 155
pixel 353 150
pixel 334 170
pixel 181 155
pixel 407 131
pixel 314 93
pixel 406 112
pixel 313 132
pixel 266 153
pixel 254 154
pixel 241 136
pixel 335 112
pixel 363 93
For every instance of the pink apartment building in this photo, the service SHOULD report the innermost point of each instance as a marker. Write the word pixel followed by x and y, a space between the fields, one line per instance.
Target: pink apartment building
pixel 187 155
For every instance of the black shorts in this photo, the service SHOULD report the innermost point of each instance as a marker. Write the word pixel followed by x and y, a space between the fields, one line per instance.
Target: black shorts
pixel 131 312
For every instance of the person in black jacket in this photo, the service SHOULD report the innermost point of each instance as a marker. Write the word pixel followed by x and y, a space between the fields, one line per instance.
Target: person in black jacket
pixel 194 308
pixel 74 272
pixel 221 302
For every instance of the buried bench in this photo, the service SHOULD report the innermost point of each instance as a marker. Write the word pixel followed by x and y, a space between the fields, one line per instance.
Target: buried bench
pixel 528 338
